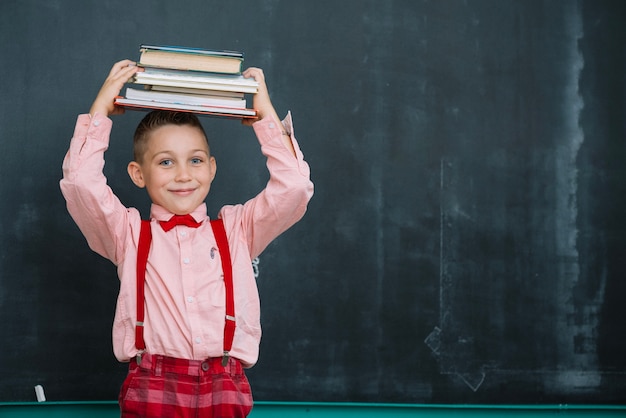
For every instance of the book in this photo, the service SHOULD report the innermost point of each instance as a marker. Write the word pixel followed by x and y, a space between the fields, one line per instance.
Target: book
pixel 219 93
pixel 184 98
pixel 200 109
pixel 196 80
pixel 195 59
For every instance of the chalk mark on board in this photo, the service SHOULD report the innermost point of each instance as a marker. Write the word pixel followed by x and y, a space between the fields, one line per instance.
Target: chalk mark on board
pixel 463 365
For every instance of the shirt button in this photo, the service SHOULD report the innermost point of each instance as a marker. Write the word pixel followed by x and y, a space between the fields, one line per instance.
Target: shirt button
pixel 96 122
pixel 183 233
pixel 271 125
pixel 186 260
pixel 190 299
pixel 198 340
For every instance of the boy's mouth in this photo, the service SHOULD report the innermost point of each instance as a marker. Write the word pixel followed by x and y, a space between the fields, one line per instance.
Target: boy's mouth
pixel 182 192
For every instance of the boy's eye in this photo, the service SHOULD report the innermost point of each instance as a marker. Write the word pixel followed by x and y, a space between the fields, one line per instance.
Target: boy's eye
pixel 166 163
pixel 196 160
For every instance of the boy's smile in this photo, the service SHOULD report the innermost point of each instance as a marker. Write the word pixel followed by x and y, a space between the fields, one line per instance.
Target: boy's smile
pixel 176 169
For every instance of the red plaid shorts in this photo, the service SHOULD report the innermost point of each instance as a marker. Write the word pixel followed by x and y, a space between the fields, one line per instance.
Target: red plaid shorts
pixel 169 387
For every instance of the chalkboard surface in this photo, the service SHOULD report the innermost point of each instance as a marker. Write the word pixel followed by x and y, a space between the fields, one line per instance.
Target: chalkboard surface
pixel 466 241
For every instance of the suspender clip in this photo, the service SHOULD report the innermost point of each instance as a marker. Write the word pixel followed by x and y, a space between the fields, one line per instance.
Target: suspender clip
pixel 225 359
pixel 138 357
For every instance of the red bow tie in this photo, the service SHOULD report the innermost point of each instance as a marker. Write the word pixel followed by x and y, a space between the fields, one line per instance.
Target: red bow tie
pixel 186 220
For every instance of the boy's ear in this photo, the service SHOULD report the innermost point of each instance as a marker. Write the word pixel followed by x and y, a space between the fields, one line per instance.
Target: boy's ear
pixel 213 167
pixel 134 171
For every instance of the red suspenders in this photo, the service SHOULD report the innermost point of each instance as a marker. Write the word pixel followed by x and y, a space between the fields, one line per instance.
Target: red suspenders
pixel 145 238
pixel 227 268
pixel 143 248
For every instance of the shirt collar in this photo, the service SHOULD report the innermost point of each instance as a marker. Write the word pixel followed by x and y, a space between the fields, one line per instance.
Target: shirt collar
pixel 161 214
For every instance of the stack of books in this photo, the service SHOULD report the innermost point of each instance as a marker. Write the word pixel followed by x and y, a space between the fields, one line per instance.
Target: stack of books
pixel 190 79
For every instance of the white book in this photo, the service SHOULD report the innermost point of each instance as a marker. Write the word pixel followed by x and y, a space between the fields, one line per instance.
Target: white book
pixel 231 94
pixel 196 79
pixel 184 98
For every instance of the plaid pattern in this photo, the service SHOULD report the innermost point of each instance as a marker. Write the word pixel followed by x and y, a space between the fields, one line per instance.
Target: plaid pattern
pixel 168 387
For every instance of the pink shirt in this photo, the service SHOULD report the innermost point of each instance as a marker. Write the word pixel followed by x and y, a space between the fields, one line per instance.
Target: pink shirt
pixel 185 302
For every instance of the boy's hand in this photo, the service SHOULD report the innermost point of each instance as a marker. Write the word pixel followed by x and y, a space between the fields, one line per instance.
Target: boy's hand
pixel 261 101
pixel 121 72
pixel 263 105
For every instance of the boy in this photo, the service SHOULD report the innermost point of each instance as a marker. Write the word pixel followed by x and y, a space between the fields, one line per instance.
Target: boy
pixel 173 329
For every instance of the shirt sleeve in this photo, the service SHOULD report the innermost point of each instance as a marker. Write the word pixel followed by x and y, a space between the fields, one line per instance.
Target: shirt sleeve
pixel 99 214
pixel 284 199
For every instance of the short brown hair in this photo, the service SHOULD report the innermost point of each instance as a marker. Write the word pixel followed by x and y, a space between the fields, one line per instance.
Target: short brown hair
pixel 156 119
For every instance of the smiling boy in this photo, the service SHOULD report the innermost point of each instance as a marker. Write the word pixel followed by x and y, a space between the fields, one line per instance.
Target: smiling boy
pixel 183 361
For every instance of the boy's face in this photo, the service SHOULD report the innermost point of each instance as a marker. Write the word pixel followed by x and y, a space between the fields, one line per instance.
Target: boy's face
pixel 176 169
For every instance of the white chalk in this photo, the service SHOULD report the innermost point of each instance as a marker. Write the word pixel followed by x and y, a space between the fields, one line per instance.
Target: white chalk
pixel 41 397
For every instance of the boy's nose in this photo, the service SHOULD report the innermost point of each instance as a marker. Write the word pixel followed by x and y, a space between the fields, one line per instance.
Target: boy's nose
pixel 182 174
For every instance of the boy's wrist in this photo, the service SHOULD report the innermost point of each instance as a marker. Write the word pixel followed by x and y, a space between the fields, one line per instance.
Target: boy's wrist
pixel 97 107
pixel 268 113
pixel 96 111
